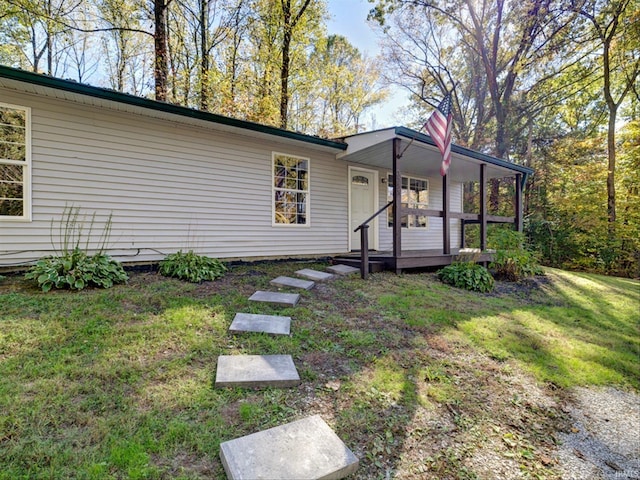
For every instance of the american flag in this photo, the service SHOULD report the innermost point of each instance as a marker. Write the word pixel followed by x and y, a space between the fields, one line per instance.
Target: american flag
pixel 439 127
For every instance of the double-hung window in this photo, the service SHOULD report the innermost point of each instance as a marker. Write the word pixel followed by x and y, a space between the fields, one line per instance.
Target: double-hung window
pixel 14 163
pixel 415 195
pixel 290 190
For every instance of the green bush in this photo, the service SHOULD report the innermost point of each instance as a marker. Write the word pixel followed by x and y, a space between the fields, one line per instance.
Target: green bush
pixel 72 267
pixel 191 267
pixel 76 270
pixel 467 275
pixel 512 261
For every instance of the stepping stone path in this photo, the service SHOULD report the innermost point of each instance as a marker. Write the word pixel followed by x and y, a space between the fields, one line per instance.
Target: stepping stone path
pixel 249 322
pixel 305 449
pixel 285 299
pixel 343 269
pixel 292 282
pixel 256 371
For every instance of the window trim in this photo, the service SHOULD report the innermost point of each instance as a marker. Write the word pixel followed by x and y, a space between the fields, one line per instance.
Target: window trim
pixel 409 178
pixel 26 188
pixel 273 192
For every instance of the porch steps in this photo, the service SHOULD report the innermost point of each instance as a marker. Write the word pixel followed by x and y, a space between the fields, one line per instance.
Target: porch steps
pixel 293 283
pixel 256 371
pixel 271 324
pixel 284 299
pixel 304 449
pixel 375 266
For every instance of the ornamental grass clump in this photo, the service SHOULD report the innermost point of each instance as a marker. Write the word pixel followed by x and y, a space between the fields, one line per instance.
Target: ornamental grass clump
pixel 467 275
pixel 192 267
pixel 73 267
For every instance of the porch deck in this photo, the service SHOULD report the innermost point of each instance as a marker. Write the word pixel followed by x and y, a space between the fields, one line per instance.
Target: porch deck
pixel 384 260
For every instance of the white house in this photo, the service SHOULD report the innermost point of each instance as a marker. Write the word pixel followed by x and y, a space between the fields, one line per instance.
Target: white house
pixel 175 178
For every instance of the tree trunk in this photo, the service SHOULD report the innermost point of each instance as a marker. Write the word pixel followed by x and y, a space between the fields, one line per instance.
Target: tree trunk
pixel 611 171
pixel 204 55
pixel 289 22
pixel 284 70
pixel 161 66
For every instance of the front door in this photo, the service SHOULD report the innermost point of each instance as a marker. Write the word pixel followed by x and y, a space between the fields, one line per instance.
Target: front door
pixel 363 195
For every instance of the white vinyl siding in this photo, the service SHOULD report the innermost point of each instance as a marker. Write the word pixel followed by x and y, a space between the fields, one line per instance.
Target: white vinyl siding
pixel 15 162
pixel 169 186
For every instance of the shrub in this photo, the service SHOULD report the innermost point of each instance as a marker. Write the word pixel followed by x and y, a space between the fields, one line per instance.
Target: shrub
pixel 467 275
pixel 191 267
pixel 73 267
pixel 512 261
pixel 76 270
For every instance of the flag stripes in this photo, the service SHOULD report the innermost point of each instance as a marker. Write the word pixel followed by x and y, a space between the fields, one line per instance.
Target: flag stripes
pixel 439 127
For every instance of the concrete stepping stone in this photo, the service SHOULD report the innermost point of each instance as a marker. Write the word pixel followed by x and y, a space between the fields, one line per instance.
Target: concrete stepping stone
pixel 315 275
pixel 343 269
pixel 292 282
pixel 302 450
pixel 249 322
pixel 256 371
pixel 286 299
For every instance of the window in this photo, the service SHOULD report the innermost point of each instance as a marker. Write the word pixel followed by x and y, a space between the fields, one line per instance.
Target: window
pixel 290 190
pixel 14 162
pixel 360 180
pixel 415 194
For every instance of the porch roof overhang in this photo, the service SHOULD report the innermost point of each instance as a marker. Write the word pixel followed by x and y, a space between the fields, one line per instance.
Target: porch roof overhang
pixel 420 156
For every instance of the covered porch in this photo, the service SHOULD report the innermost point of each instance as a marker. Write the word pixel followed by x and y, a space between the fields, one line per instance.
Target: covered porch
pixel 407 155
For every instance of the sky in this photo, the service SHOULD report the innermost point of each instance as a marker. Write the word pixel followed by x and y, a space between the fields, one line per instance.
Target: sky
pixel 349 19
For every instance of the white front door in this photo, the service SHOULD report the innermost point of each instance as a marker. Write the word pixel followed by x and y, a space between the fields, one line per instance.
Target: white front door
pixel 363 202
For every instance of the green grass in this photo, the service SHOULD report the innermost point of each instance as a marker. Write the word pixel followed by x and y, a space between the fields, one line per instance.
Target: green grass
pixel 118 383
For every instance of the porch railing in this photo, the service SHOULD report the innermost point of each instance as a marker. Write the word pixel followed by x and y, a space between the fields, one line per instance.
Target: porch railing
pixel 364 241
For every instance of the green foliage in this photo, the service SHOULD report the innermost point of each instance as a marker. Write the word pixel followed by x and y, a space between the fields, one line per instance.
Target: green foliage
pixel 191 267
pixel 73 267
pixel 512 261
pixel 467 275
pixel 76 270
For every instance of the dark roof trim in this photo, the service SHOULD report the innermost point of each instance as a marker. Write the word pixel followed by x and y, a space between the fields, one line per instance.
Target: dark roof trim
pixel 106 94
pixel 413 134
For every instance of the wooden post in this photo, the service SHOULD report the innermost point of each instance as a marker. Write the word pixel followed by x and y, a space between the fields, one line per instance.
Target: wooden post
pixel 364 251
pixel 397 200
pixel 483 207
pixel 519 220
pixel 446 208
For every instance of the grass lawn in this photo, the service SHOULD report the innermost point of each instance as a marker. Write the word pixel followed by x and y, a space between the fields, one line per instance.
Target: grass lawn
pixel 421 380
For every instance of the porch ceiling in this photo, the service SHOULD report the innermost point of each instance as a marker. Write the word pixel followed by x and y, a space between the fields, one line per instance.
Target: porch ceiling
pixel 422 158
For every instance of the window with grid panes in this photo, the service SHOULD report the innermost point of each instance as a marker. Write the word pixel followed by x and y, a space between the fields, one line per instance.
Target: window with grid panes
pixel 290 190
pixel 415 194
pixel 14 162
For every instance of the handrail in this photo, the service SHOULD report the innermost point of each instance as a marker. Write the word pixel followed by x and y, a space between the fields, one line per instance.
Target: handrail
pixel 364 241
pixel 374 215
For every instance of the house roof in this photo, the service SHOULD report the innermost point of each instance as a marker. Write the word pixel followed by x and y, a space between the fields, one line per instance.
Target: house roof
pixel 420 155
pixel 71 90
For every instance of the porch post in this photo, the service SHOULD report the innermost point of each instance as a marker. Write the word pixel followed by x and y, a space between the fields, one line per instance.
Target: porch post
pixel 519 221
pixel 397 200
pixel 446 208
pixel 483 207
